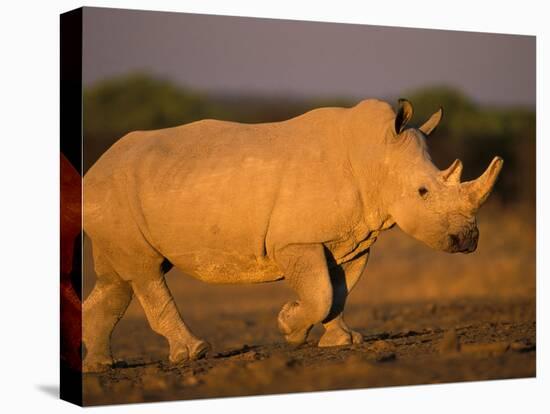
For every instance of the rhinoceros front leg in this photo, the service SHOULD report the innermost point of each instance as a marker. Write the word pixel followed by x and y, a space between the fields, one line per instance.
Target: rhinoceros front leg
pixel 343 277
pixel 164 318
pixel 305 270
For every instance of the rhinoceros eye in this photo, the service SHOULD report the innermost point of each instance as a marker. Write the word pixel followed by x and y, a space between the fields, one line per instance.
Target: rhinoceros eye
pixel 423 191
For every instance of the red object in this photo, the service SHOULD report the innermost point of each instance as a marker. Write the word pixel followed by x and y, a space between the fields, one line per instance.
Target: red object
pixel 71 230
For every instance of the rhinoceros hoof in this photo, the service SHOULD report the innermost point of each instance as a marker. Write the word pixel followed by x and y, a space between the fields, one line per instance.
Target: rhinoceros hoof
pixel 96 365
pixel 196 350
pixel 298 337
pixel 286 317
pixel 291 325
pixel 340 338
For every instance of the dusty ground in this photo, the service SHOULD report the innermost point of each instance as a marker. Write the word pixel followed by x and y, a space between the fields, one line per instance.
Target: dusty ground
pixel 426 317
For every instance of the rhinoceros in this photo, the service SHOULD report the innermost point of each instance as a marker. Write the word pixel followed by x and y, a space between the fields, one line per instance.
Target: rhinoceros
pixel 301 200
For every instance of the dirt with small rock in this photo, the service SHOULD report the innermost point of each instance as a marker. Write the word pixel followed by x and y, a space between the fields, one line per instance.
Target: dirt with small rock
pixel 463 341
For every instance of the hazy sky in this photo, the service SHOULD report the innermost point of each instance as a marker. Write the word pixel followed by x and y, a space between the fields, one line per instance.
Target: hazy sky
pixel 249 55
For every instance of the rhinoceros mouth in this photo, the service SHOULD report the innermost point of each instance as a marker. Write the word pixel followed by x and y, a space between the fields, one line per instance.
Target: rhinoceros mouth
pixel 467 250
pixel 465 242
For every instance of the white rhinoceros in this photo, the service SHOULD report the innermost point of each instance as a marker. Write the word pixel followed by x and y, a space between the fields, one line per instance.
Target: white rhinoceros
pixel 301 200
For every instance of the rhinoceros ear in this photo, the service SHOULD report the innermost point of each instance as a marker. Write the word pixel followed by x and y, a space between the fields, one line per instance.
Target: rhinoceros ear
pixel 432 123
pixel 404 115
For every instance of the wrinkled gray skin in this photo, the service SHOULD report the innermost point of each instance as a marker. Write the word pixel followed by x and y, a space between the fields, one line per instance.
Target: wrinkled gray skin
pixel 301 200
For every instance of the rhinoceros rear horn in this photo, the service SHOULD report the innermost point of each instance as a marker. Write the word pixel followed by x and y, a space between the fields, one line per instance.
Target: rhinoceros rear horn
pixel 404 115
pixel 432 122
pixel 480 188
pixel 453 173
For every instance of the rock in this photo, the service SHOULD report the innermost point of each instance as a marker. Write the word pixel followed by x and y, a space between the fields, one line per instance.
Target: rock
pixel 449 343
pixel 276 362
pixel 522 347
pixel 384 351
pixel 254 356
pixel 490 349
pixel 382 346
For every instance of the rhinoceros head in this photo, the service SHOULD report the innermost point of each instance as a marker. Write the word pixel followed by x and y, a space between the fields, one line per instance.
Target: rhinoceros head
pixel 431 205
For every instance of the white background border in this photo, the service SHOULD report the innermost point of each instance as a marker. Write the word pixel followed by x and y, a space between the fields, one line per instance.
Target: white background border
pixel 29 138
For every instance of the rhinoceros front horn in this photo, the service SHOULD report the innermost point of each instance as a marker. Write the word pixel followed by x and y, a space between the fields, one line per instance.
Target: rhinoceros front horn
pixel 480 188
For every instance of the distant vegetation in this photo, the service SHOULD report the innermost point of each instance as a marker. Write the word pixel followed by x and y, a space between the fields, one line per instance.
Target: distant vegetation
pixel 470 132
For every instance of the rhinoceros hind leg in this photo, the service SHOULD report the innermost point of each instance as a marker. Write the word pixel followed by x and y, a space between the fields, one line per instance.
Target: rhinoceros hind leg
pixel 343 278
pixel 305 269
pixel 101 312
pixel 164 318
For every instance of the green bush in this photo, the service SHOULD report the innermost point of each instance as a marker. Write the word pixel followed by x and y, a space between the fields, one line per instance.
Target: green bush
pixel 469 131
